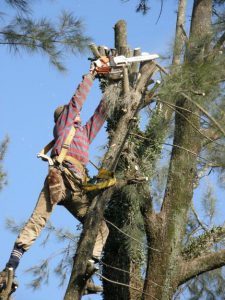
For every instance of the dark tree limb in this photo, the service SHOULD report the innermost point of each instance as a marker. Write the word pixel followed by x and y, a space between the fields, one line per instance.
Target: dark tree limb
pixel 202 264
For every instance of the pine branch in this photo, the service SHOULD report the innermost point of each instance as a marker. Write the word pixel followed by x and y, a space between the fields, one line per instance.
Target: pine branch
pixel 53 40
pixel 205 112
pixel 21 5
pixel 210 163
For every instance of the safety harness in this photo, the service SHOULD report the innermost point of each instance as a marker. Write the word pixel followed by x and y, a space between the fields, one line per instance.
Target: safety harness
pixel 105 176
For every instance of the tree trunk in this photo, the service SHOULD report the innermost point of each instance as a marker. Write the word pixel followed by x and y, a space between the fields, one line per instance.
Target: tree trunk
pixel 179 37
pixel 166 230
pixel 120 263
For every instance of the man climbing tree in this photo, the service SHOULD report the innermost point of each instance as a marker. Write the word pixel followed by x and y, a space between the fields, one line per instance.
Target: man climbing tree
pixel 63 185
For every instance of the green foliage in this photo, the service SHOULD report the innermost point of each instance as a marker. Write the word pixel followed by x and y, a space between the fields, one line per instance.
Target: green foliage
pixel 41 272
pixel 21 5
pixel 194 80
pixel 203 243
pixel 43 36
pixel 3 149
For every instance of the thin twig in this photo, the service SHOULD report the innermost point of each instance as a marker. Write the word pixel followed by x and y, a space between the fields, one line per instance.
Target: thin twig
pixel 205 136
pixel 123 284
pixel 177 106
pixel 177 146
pixel 130 236
pixel 205 112
pixel 170 105
pixel 64 235
pixel 197 217
pixel 202 134
pixel 124 271
pixel 160 13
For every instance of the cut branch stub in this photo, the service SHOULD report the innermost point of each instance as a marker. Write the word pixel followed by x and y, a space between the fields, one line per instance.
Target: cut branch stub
pixel 103 50
pixel 94 50
pixel 121 37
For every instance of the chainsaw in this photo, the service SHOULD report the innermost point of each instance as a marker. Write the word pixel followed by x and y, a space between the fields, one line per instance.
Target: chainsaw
pixel 113 65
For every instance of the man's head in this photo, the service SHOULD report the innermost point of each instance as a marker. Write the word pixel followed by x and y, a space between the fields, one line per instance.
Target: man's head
pixel 60 109
pixel 58 112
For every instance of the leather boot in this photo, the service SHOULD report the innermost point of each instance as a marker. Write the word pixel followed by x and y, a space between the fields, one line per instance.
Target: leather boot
pixel 4 277
pixel 91 288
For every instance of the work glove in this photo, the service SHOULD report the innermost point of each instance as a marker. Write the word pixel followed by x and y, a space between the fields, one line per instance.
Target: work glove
pixel 101 66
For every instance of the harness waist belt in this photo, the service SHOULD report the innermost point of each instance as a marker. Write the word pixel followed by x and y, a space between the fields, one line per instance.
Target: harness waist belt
pixel 76 163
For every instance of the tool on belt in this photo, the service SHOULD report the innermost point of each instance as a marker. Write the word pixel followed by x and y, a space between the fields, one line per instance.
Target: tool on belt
pixel 106 177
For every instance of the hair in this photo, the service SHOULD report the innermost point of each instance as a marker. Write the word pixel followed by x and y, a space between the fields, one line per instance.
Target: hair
pixel 58 112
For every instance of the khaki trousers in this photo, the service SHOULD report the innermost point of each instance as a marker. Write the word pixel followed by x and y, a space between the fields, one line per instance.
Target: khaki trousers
pixel 74 200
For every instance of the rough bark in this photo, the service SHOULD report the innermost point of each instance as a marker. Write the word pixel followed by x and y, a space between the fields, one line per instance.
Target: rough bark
pixel 120 31
pixel 117 262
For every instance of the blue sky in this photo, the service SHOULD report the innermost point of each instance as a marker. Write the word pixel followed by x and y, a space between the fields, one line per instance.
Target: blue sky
pixel 30 91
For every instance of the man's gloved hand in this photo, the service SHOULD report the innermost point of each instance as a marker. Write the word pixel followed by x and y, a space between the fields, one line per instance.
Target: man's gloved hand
pixel 100 66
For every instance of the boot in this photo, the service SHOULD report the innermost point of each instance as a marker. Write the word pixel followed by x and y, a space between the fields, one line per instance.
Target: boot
pixel 3 279
pixel 6 291
pixel 91 268
pixel 91 288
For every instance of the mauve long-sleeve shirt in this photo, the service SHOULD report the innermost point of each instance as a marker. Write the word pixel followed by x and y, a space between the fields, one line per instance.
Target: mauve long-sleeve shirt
pixel 84 135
